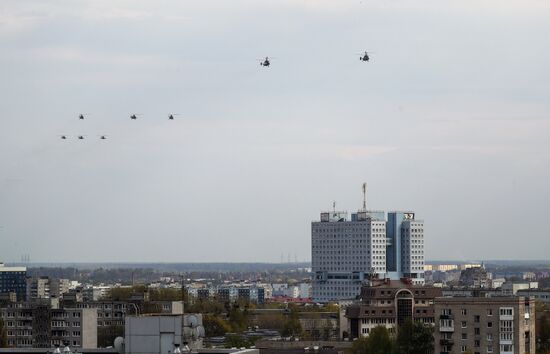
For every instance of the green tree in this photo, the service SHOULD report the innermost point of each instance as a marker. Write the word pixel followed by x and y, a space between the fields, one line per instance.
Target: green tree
pixel 125 293
pixel 215 326
pixel 327 330
pixel 543 335
pixel 270 321
pixel 238 318
pixel 415 338
pixel 206 306
pixel 165 294
pixel 292 326
pixel 236 341
pixel 379 341
pixel 3 335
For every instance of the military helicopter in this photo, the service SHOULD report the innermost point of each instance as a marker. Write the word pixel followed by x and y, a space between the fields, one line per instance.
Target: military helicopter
pixel 81 116
pixel 364 57
pixel 81 137
pixel 103 137
pixel 133 116
pixel 171 116
pixel 64 137
pixel 265 62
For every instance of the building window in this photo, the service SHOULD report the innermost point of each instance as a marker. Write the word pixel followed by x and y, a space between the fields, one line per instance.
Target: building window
pixel 490 313
pixel 506 311
pixel 476 318
pixel 464 312
pixel 463 349
pixel 463 324
pixel 476 331
pixel 506 348
pixel 464 336
pixel 489 324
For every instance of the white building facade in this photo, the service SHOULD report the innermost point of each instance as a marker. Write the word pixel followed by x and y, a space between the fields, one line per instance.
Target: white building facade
pixel 347 251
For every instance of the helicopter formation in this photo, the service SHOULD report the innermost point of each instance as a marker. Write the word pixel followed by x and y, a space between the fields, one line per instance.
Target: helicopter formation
pixel 82 116
pixel 267 61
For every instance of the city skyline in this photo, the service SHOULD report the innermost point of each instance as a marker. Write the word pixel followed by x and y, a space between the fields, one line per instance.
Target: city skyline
pixel 449 123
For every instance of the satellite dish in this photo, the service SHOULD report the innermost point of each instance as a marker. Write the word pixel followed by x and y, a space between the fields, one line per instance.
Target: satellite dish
pixel 193 321
pixel 119 345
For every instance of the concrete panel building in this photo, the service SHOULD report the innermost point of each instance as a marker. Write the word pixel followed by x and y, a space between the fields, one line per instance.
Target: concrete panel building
pixel 496 325
pixel 345 251
pixel 42 326
pixel 38 288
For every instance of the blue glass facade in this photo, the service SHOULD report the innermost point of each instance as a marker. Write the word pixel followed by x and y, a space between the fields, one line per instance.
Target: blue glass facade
pixel 14 281
pixel 393 247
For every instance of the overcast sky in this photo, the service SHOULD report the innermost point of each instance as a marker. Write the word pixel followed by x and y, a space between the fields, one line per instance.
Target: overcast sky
pixel 449 119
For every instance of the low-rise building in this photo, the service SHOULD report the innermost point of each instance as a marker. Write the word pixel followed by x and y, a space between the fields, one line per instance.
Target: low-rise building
pixel 390 303
pixel 320 325
pixel 512 287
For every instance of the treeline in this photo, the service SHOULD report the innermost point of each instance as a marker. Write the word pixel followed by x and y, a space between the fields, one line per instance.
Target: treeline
pixel 3 335
pixel 160 294
pixel 127 276
pixel 97 276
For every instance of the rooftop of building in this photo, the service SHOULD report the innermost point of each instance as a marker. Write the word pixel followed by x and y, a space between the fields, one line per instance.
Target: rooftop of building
pixel 3 268
pixel 113 351
pixel 482 300
pixel 397 284
pixel 50 350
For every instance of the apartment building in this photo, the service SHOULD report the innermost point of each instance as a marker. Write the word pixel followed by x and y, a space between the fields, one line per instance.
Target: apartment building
pixel 495 325
pixel 230 293
pixel 39 325
pixel 113 313
pixel 38 288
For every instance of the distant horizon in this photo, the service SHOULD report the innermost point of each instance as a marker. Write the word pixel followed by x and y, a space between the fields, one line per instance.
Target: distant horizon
pixel 286 264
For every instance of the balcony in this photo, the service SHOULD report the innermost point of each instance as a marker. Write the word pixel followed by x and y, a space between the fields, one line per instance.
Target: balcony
pixel 446 328
pixel 446 317
pixel 446 342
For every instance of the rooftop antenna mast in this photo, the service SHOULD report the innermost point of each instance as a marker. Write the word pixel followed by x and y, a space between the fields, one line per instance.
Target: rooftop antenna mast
pixel 365 196
pixel 334 206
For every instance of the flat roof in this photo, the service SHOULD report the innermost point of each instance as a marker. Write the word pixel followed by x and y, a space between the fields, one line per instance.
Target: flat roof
pixel 482 300
pixel 13 269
